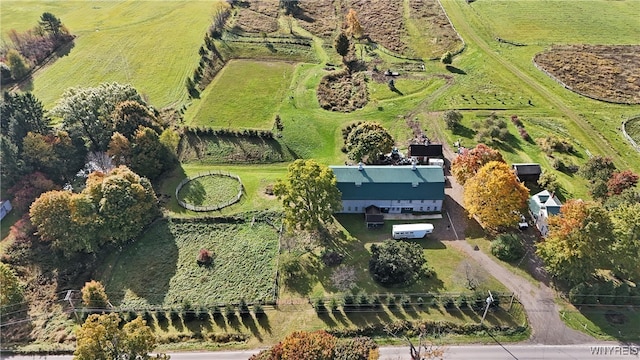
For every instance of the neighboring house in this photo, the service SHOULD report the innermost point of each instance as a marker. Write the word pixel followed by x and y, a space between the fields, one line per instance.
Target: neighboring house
pixel 423 153
pixel 392 189
pixel 5 208
pixel 527 172
pixel 542 205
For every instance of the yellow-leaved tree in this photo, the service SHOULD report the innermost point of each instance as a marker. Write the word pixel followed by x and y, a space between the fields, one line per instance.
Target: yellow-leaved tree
pixel 494 196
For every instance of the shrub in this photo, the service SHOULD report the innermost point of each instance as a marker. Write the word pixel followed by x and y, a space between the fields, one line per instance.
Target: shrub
pixel 552 144
pixel 333 304
pixel 591 296
pixel 348 302
pixel 517 122
pixel 375 302
pixel 161 315
pixel 215 311
pixel 318 305
pixel 204 257
pixel 202 313
pixel 396 262
pixel 391 302
pixel 359 348
pixel 363 300
pixel 507 247
pixel 448 303
pixel 229 310
pixel 479 301
pixel 405 301
pixel 462 302
pixel 94 295
pixel 332 258
pixel 189 314
pixel 243 308
pixel 258 310
pixel 524 134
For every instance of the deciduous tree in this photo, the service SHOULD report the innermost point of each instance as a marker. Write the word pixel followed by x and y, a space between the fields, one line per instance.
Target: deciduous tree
pixel 28 188
pixel 130 115
pixel 87 111
pixel 101 338
pixel 467 164
pixel 149 157
pixel 94 295
pixel 626 248
pixel 620 181
pixel 309 195
pixel 301 345
pixel 367 141
pixel 578 243
pixel 353 25
pixel 452 118
pixel 17 64
pixel 10 288
pixel 598 170
pixel 495 196
pixel 396 262
pixel 119 149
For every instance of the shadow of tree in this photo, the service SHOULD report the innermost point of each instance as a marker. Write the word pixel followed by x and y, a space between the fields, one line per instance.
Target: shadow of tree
pixel 455 70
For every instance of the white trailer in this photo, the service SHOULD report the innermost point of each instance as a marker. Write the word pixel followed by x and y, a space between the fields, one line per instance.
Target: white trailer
pixel 411 231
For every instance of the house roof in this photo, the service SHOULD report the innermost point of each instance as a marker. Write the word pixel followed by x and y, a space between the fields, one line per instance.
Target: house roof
pixel 425 150
pixel 527 169
pixel 390 182
pixel 547 201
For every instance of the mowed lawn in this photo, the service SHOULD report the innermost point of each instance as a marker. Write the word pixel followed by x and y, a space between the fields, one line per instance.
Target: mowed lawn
pixel 160 269
pixel 245 94
pixel 144 43
pixel 562 21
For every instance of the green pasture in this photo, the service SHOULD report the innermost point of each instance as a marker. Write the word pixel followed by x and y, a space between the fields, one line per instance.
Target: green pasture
pixel 160 269
pixel 255 180
pixel 210 190
pixel 561 21
pixel 244 94
pixel 144 43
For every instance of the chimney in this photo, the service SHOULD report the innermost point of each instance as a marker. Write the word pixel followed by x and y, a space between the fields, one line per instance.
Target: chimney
pixel 360 167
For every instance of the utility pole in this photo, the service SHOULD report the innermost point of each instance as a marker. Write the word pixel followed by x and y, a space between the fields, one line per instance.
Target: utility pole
pixel 489 301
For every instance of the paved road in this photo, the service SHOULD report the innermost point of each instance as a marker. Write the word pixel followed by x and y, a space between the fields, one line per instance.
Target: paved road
pixel 476 352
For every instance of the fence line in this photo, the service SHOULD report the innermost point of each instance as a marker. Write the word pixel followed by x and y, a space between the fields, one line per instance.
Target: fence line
pixel 211 207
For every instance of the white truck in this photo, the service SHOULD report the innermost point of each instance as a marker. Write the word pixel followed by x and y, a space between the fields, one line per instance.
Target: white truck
pixel 411 231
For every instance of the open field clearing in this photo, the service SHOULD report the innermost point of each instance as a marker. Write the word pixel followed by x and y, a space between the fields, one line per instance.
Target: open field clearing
pixel 210 190
pixel 110 46
pixel 160 269
pixel 245 94
pixel 561 21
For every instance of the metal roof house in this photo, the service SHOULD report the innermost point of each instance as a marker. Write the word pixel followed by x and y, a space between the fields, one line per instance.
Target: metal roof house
pixel 393 189
pixel 541 206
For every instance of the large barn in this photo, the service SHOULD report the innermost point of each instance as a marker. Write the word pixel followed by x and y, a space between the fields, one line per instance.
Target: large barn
pixel 392 189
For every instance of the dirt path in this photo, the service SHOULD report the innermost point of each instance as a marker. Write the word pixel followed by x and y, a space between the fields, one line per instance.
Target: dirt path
pixel 538 301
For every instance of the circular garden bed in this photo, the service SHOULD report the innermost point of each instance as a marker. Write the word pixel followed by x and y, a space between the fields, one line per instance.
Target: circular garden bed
pixel 209 191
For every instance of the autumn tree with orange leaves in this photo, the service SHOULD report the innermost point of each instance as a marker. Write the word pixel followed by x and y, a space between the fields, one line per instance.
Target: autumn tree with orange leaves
pixel 495 196
pixel 353 25
pixel 467 164
pixel 579 242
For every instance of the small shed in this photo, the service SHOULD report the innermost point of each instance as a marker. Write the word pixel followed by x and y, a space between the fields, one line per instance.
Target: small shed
pixel 5 208
pixel 529 172
pixel 373 216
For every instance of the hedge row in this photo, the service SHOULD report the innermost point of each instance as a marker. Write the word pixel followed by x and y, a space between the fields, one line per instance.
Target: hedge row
pixel 411 328
pixel 251 133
